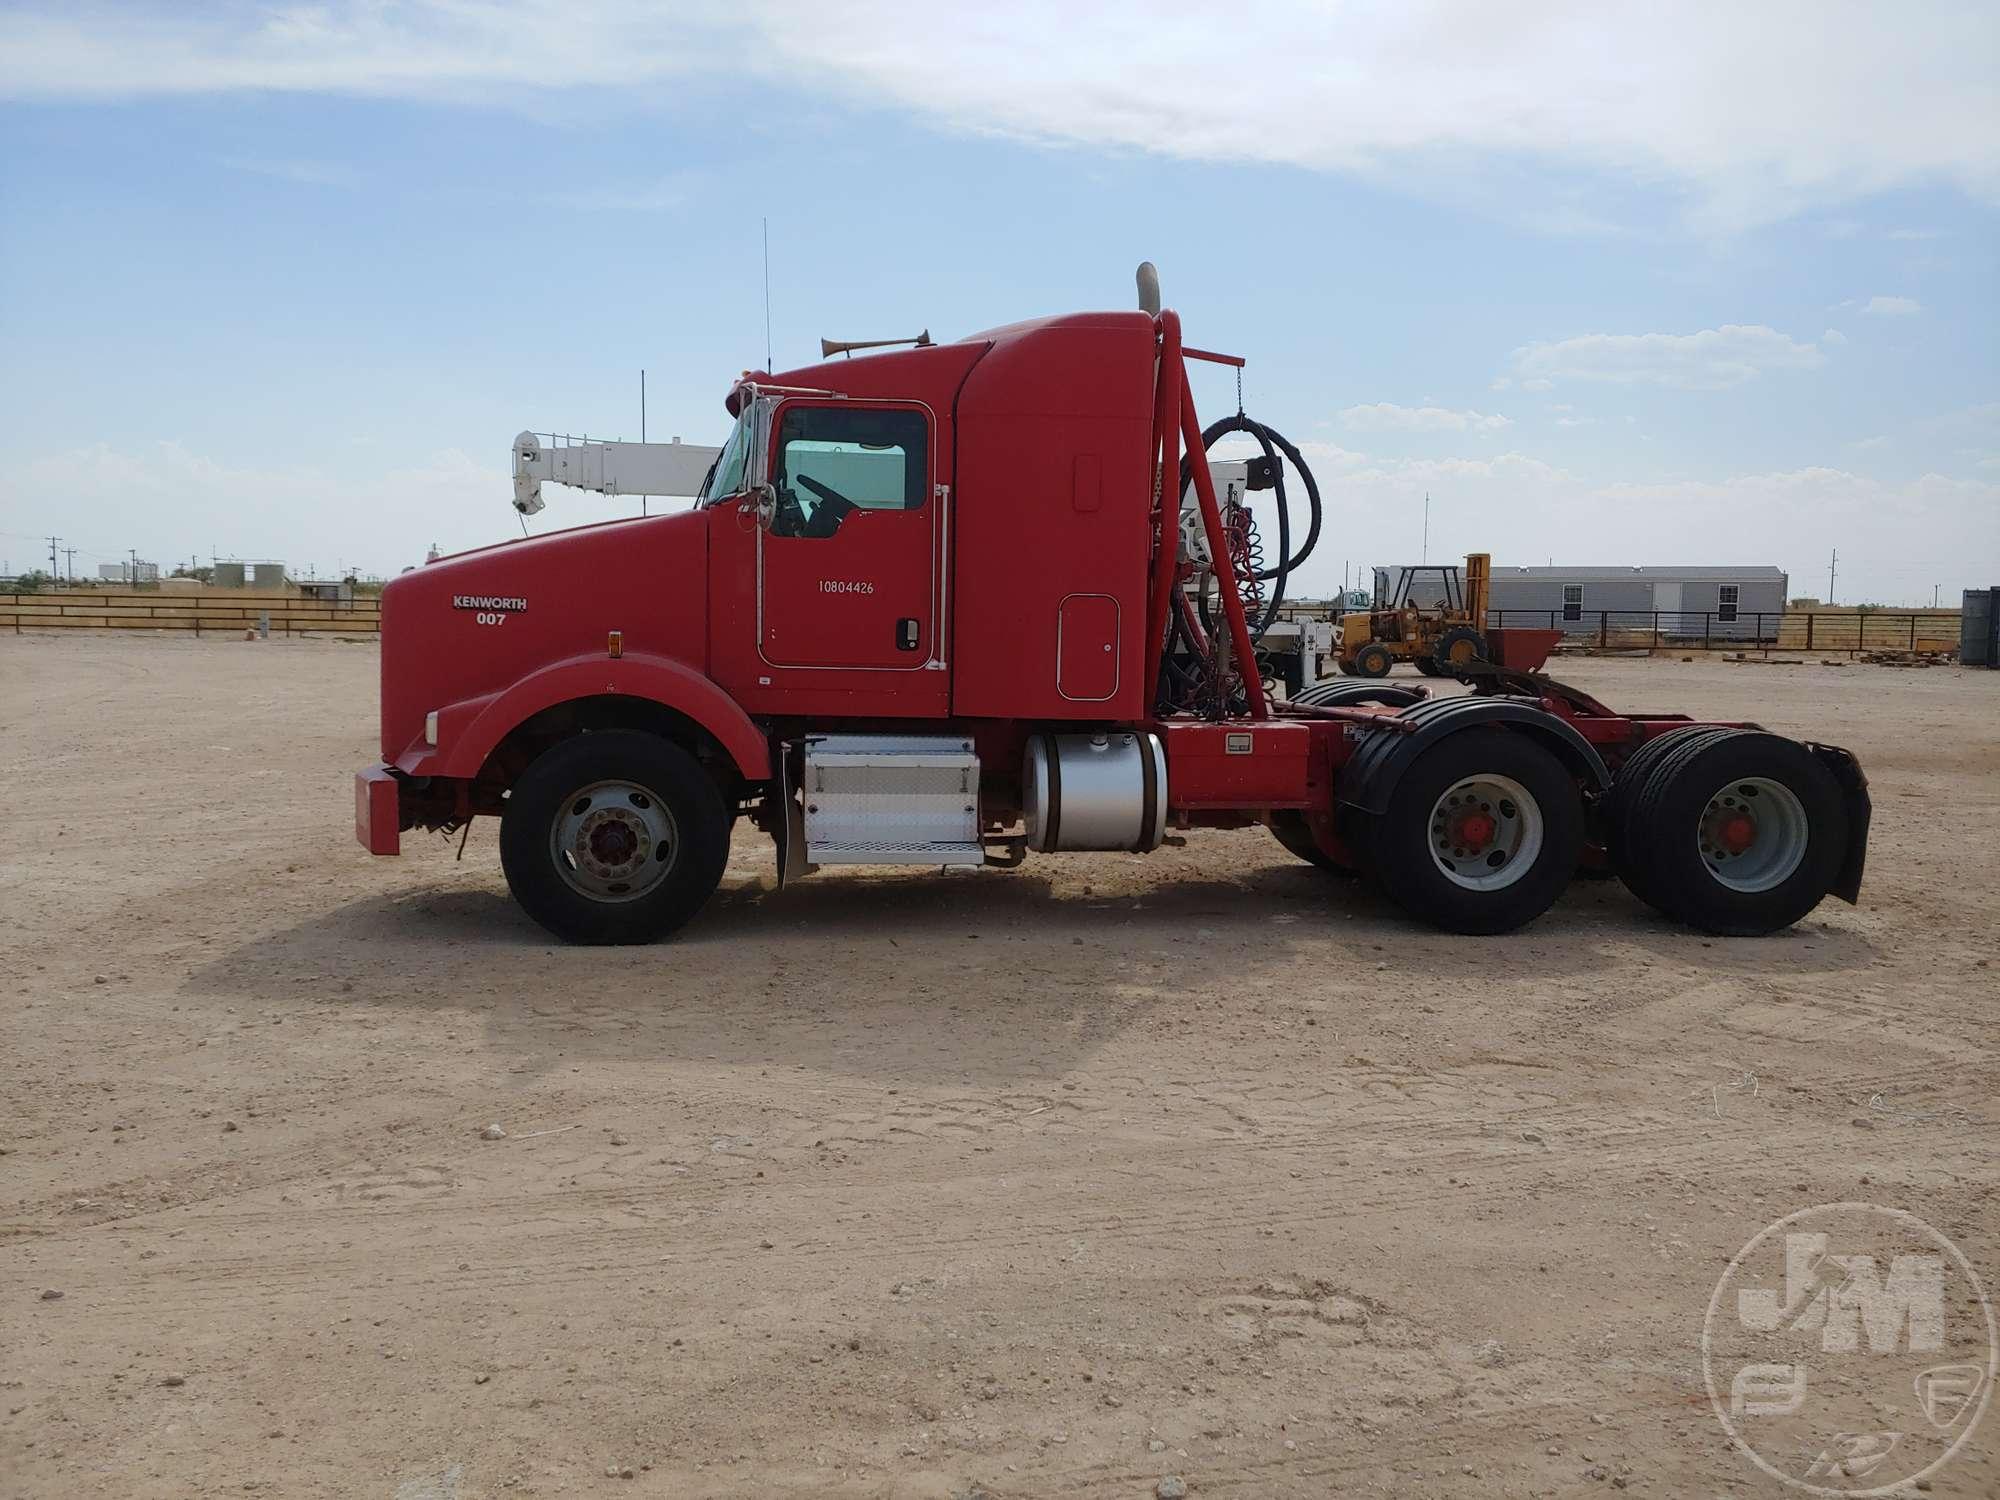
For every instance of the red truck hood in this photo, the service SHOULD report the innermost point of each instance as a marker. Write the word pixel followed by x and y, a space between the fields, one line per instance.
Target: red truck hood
pixel 467 626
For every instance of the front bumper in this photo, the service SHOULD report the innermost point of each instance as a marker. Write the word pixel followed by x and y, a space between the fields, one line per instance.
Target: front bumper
pixel 378 813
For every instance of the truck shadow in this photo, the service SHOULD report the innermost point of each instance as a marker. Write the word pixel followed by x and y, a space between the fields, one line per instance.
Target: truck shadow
pixel 1007 974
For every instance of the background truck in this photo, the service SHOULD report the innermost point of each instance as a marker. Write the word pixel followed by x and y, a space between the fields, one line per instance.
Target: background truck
pixel 963 602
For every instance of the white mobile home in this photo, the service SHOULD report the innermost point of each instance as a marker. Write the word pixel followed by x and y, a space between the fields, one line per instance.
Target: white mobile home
pixel 1726 603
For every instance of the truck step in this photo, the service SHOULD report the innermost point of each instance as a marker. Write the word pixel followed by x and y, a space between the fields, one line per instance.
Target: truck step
pixel 891 799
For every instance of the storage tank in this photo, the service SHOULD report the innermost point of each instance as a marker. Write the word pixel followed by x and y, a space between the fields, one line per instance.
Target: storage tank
pixel 1979 628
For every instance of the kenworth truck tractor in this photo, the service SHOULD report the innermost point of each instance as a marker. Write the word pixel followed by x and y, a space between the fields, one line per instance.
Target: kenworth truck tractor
pixel 966 602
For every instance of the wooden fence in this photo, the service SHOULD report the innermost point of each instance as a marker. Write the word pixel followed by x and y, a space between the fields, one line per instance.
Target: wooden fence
pixel 1829 630
pixel 207 612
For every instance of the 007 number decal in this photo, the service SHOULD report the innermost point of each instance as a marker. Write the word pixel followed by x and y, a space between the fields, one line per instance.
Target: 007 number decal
pixel 845 586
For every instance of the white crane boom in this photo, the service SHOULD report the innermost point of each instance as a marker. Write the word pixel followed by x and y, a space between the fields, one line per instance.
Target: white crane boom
pixel 675 468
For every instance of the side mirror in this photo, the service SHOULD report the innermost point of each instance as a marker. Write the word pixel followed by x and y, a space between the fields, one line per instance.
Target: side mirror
pixel 763 498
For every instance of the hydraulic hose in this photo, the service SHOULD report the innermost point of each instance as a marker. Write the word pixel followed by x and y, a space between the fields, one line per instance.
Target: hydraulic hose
pixel 1186 667
pixel 1269 439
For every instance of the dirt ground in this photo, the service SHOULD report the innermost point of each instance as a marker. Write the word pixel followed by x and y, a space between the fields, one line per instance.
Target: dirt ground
pixel 1058 1182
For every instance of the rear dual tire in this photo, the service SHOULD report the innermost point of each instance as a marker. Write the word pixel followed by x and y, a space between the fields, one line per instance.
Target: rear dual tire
pixel 1481 833
pixel 1336 692
pixel 1734 831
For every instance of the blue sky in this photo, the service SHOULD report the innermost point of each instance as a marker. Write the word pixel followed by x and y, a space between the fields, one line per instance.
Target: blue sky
pixel 284 281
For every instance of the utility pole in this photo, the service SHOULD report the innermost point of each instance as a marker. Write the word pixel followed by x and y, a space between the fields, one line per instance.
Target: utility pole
pixel 133 578
pixel 55 568
pixel 69 563
pixel 1426 557
pixel 1934 595
pixel 1832 563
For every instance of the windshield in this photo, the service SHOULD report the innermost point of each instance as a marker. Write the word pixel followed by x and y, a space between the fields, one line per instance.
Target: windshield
pixel 741 464
pixel 725 476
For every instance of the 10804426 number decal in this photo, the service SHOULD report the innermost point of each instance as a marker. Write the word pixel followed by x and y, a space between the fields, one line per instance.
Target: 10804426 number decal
pixel 845 586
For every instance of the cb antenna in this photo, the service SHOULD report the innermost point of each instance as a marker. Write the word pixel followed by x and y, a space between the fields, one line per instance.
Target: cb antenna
pixel 767 296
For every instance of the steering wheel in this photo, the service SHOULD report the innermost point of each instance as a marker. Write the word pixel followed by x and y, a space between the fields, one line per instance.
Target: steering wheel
pixel 833 508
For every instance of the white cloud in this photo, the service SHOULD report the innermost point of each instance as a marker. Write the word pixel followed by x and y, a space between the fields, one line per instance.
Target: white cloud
pixel 1914 234
pixel 1890 534
pixel 306 173
pixel 1833 338
pixel 1322 456
pixel 1711 360
pixel 1893 307
pixel 1677 95
pixel 1386 416
pixel 668 194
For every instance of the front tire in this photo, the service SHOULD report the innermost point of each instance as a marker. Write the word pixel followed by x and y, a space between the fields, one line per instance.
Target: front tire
pixel 1372 660
pixel 614 837
pixel 1481 833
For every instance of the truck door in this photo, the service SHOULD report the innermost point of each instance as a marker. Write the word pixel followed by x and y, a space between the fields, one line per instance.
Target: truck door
pixel 848 567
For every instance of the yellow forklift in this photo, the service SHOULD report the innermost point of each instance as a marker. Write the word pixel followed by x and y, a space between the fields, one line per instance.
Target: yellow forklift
pixel 1441 638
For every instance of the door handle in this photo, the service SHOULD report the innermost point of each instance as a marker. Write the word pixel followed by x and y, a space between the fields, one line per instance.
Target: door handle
pixel 906 634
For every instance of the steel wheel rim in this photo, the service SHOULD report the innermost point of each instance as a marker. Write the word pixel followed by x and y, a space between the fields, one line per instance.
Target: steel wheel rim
pixel 1771 849
pixel 613 841
pixel 1484 832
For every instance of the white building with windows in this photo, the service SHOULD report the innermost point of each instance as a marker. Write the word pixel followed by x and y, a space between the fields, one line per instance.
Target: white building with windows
pixel 1731 603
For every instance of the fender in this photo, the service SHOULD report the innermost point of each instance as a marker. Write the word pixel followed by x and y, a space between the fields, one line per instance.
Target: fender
pixel 472 735
pixel 1854 792
pixel 1370 776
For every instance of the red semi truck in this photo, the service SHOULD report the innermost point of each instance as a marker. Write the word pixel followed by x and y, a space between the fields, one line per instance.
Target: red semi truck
pixel 934 607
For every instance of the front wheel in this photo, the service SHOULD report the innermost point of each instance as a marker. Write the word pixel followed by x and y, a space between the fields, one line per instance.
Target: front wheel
pixel 614 837
pixel 1481 833
pixel 1372 660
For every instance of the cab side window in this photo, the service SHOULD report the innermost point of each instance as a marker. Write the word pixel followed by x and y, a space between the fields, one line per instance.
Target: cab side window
pixel 836 460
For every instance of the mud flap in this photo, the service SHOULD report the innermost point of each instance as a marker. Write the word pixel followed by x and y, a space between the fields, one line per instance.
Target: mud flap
pixel 1854 793
pixel 789 826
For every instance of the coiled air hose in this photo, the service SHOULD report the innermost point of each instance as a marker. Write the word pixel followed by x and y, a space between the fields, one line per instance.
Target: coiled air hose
pixel 1184 678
